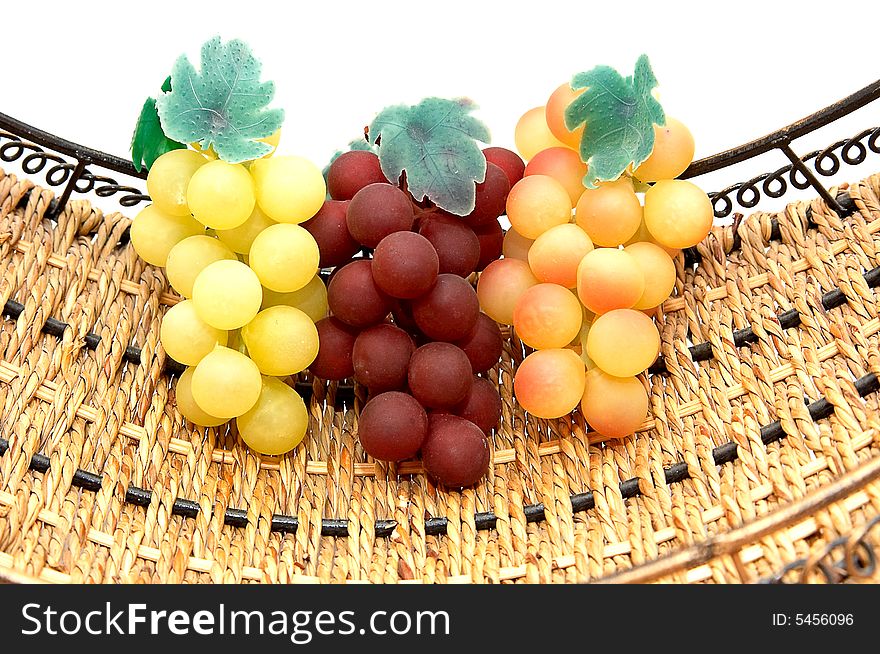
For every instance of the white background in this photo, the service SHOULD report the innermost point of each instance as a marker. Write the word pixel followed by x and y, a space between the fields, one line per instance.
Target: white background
pixel 731 71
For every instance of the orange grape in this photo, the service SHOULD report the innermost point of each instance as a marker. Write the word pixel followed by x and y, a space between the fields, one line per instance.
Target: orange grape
pixel 547 316
pixel 608 278
pixel 500 285
pixel 613 406
pixel 555 255
pixel 532 134
pixel 554 113
pixel 678 214
pixel 550 383
pixel 536 203
pixel 562 164
pixel 658 270
pixel 516 246
pixel 623 342
pixel 610 214
pixel 672 154
pixel 642 235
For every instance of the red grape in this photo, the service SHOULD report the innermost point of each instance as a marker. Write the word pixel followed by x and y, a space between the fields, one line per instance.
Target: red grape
pixel 334 354
pixel 392 426
pixel 381 357
pixel 457 246
pixel 440 375
pixel 405 265
pixel 482 406
pixel 401 312
pixel 354 297
pixel 449 311
pixel 483 345
pixel 491 197
pixel 351 172
pixel 455 451
pixel 491 238
pixel 378 210
pixel 508 161
pixel 329 229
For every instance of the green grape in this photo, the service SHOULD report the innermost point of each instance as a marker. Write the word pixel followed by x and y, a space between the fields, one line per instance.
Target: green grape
pixel 289 189
pixel 281 340
pixel 310 299
pixel 278 421
pixel 284 257
pixel 186 337
pixel 226 383
pixel 240 238
pixel 187 405
pixel 221 195
pixel 227 294
pixel 189 257
pixel 153 233
pixel 169 177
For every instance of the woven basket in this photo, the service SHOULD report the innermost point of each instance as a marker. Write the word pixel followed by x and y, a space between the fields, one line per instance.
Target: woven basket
pixel 760 460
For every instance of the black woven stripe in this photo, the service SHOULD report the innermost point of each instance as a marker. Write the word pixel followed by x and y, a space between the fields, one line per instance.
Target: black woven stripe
pixel 334 527
pixel 435 526
pixel 285 524
pixel 132 355
pixel 138 496
pixel 174 368
pixel 338 527
pixel 345 392
pixel 87 480
pixel 384 528
pixel 55 327
pixel 12 309
pixel 235 518
pixel 39 463
pixel 186 508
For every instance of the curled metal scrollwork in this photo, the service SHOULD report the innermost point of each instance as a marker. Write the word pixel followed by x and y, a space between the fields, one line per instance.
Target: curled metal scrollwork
pixel 57 171
pixel 827 162
pixel 848 558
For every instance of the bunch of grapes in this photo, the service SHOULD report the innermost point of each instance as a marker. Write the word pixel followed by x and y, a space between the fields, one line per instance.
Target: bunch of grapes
pixel 586 269
pixel 230 238
pixel 406 323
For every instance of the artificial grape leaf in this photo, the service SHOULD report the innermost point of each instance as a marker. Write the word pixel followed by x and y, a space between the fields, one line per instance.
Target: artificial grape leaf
pixel 435 144
pixel 620 114
pixel 149 142
pixel 224 105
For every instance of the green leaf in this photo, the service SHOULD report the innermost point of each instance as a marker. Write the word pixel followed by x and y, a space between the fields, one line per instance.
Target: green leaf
pixel 620 114
pixel 223 105
pixel 435 144
pixel 148 142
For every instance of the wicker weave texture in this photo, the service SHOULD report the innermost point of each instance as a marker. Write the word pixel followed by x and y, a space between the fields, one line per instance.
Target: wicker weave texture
pixel 557 506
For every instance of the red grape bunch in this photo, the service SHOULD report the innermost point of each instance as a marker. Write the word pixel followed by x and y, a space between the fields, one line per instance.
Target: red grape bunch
pixel 405 322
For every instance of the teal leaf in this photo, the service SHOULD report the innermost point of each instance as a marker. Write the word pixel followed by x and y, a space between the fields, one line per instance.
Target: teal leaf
pixel 435 144
pixel 224 105
pixel 148 142
pixel 620 114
